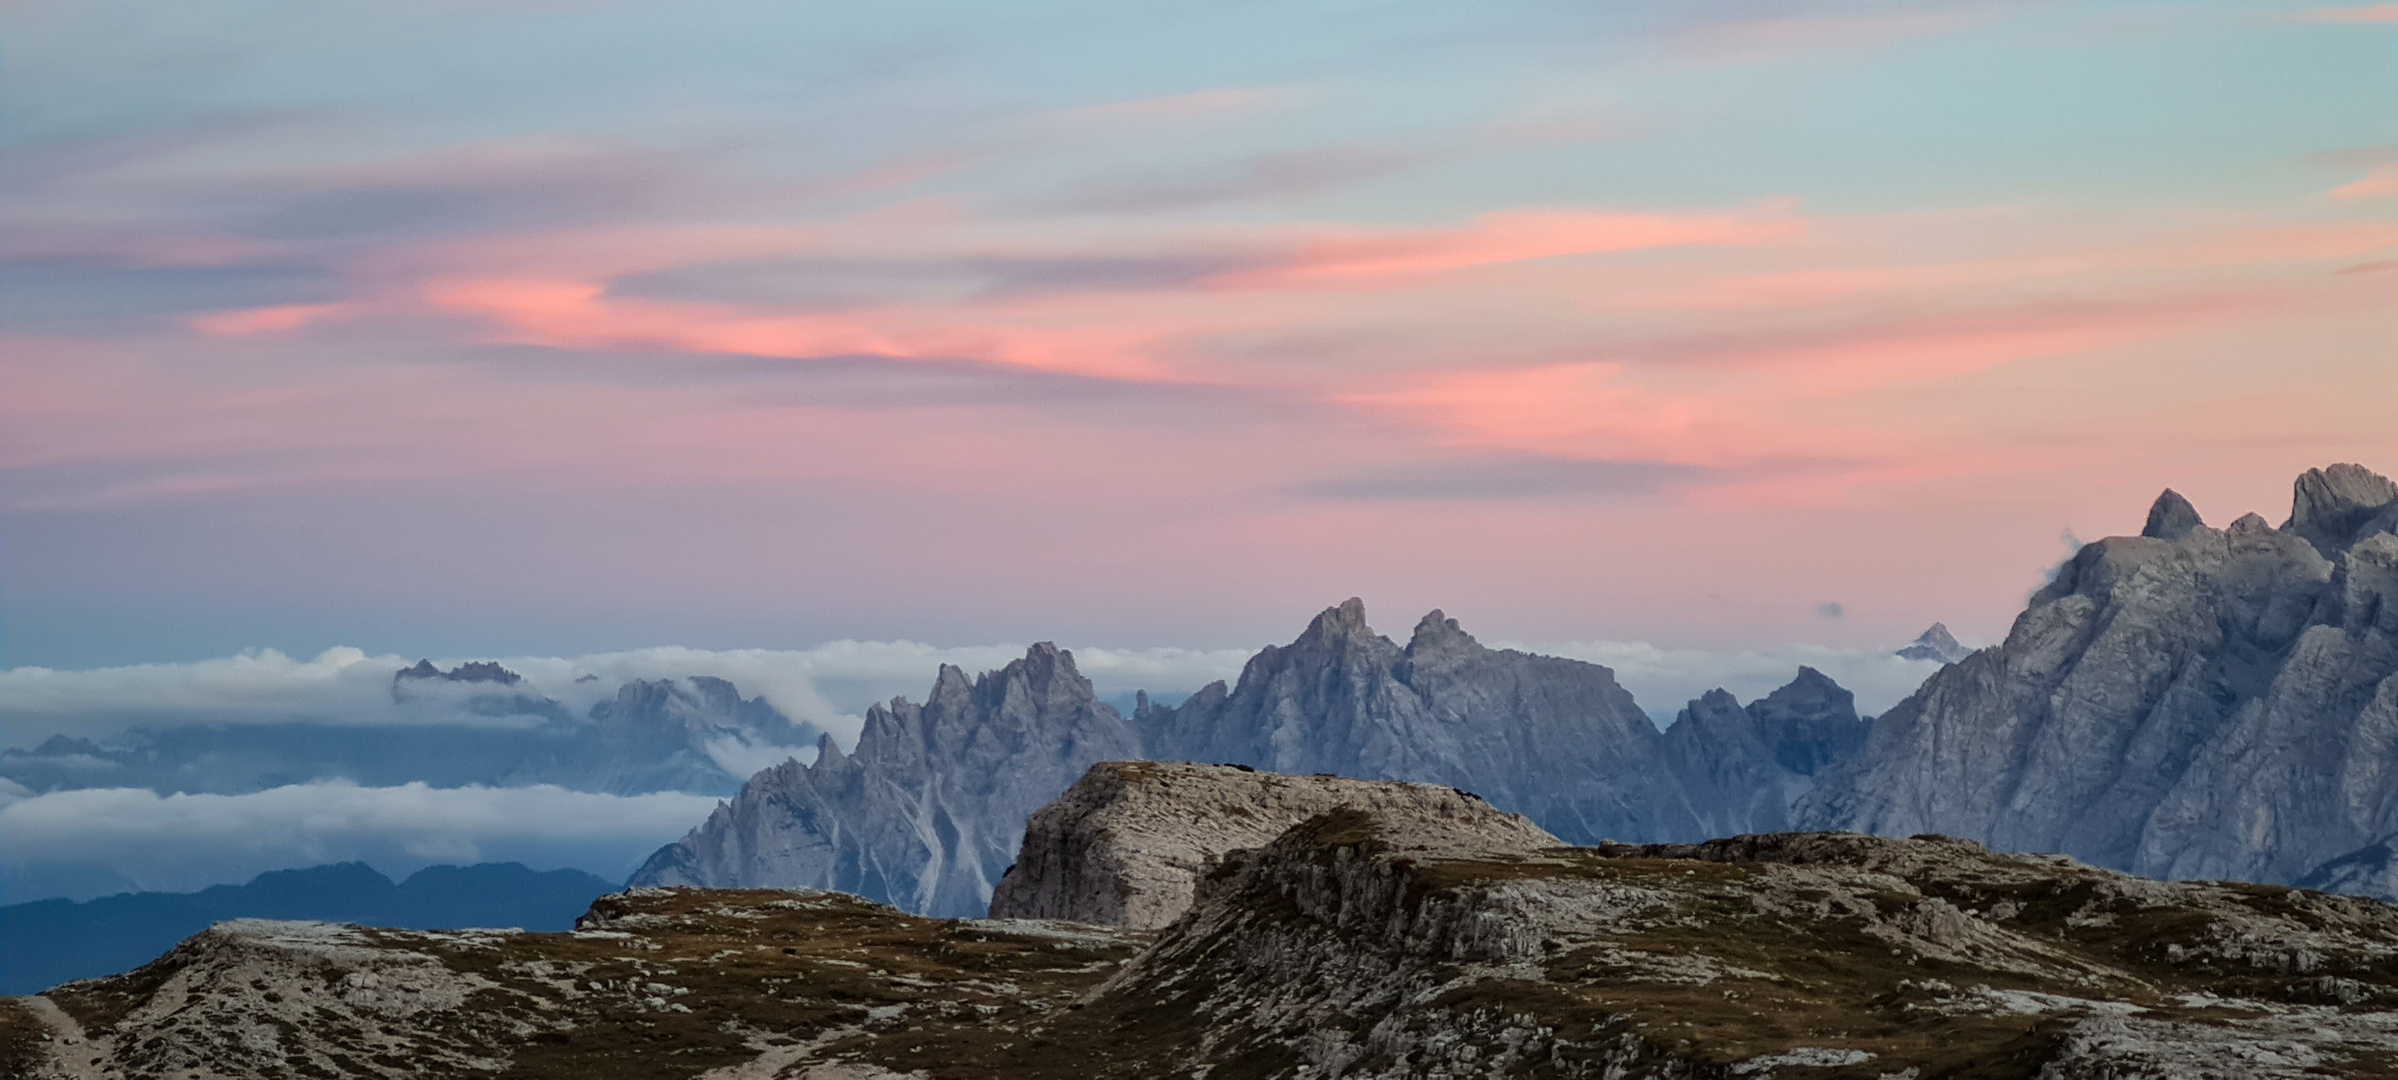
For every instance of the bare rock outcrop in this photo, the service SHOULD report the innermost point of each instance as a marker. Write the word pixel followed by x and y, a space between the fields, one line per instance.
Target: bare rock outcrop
pixel 2189 703
pixel 926 813
pixel 1358 945
pixel 1127 844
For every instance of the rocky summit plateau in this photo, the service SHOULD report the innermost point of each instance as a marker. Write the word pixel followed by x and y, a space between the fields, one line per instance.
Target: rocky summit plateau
pixel 1404 932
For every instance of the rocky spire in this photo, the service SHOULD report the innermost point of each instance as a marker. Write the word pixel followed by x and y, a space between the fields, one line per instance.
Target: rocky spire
pixel 1437 631
pixel 2171 517
pixel 2330 506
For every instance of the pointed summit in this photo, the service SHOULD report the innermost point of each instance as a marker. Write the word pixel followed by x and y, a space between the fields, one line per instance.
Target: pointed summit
pixel 1937 644
pixel 2171 517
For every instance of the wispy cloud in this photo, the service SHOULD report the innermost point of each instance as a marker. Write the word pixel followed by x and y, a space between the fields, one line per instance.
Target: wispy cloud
pixel 1357 255
pixel 2367 14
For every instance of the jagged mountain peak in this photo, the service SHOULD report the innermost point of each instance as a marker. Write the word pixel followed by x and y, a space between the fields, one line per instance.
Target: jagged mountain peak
pixel 1935 643
pixel 1436 632
pixel 1345 621
pixel 472 671
pixel 1557 739
pixel 2208 704
pixel 2330 506
pixel 2171 517
pixel 926 810
pixel 1811 692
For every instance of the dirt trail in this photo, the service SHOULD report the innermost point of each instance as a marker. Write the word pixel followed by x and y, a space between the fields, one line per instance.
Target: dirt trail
pixel 72 1055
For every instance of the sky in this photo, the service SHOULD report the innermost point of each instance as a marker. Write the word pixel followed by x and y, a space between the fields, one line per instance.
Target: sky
pixel 552 328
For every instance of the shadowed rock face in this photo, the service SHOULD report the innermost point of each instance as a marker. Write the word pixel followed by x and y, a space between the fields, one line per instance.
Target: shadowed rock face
pixel 2194 703
pixel 1743 768
pixel 1556 740
pixel 926 814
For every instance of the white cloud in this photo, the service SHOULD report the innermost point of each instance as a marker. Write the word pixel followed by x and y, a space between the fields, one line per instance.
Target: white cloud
pixel 178 842
pixel 828 685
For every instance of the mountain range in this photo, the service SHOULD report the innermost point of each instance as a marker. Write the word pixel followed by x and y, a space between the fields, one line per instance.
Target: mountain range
pixel 2189 702
pixel 47 942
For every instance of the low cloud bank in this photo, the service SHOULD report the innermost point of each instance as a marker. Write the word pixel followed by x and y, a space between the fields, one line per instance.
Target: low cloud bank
pixel 829 685
pixel 184 842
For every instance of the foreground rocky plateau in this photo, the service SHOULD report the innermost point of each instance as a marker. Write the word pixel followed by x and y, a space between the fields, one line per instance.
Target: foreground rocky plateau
pixel 1408 931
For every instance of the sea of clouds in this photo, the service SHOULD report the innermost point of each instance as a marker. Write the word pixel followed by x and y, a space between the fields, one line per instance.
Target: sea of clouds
pixel 92 841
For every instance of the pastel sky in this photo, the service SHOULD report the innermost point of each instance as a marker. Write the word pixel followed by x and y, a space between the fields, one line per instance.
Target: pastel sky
pixel 463 327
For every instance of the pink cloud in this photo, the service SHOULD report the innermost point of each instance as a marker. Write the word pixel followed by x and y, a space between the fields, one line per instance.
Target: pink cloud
pixel 2370 13
pixel 567 313
pixel 2382 184
pixel 278 319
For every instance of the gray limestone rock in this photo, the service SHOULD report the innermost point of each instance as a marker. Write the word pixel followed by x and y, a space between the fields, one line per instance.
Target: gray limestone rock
pixel 2219 704
pixel 2371 870
pixel 1556 740
pixel 926 813
pixel 2171 517
pixel 2331 507
pixel 1127 844
pixel 1742 768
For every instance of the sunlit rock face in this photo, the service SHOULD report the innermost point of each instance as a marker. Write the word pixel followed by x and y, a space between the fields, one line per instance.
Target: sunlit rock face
pixel 1127 844
pixel 2189 703
pixel 926 813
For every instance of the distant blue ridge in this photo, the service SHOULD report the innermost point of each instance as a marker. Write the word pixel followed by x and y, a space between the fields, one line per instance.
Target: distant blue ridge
pixel 47 942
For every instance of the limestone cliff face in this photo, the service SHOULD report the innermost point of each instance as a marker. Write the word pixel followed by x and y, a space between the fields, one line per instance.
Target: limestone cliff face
pixel 1127 844
pixel 926 814
pixel 2188 703
pixel 1556 740
pixel 1742 768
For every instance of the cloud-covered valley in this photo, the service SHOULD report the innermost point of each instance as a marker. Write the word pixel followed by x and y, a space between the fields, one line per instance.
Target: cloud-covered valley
pixel 101 840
